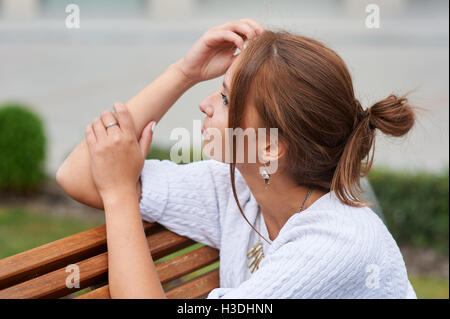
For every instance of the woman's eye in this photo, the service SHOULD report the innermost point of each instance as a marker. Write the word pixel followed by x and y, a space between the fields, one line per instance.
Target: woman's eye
pixel 225 98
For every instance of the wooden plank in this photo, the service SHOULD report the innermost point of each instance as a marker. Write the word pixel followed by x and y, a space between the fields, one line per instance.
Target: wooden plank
pixel 187 263
pixel 196 288
pixel 92 270
pixel 169 270
pixel 99 293
pixel 54 255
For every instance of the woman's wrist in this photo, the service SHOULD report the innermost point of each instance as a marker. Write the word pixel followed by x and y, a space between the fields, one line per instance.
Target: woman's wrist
pixel 181 75
pixel 119 196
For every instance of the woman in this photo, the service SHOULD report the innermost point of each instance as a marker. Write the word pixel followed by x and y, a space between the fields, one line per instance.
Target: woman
pixel 310 236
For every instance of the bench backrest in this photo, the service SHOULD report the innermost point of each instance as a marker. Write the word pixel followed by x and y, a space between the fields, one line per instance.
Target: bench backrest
pixel 41 272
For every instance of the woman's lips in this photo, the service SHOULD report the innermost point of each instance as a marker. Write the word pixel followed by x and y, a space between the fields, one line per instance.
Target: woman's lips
pixel 204 128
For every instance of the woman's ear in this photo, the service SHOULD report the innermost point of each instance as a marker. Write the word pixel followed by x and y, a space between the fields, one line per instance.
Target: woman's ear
pixel 272 152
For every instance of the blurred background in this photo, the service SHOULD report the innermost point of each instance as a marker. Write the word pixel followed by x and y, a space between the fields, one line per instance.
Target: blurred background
pixel 55 80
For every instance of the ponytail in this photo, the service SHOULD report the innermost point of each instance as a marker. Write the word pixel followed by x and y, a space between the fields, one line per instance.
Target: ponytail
pixel 393 116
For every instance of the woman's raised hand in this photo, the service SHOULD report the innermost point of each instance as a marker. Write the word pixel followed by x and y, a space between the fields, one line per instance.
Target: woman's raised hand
pixel 213 52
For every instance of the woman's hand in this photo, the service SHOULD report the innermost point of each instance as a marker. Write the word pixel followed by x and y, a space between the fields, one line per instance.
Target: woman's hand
pixel 117 157
pixel 212 54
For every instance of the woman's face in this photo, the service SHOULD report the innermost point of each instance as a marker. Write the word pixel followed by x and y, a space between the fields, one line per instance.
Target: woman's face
pixel 215 106
pixel 215 145
pixel 250 144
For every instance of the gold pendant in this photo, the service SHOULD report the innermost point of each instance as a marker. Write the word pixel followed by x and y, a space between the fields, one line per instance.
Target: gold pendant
pixel 256 254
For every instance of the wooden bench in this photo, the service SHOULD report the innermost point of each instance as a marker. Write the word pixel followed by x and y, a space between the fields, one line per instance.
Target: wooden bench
pixel 41 271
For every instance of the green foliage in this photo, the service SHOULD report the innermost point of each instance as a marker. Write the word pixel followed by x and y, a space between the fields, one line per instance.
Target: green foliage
pixel 157 152
pixel 161 153
pixel 415 206
pixel 22 148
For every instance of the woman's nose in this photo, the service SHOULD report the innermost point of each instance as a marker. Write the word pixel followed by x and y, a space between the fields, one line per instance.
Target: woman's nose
pixel 206 107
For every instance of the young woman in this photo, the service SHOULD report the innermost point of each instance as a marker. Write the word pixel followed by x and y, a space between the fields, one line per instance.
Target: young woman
pixel 310 235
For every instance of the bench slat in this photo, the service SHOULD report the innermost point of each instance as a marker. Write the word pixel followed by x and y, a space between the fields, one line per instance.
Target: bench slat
pixel 169 270
pixel 187 263
pixel 49 257
pixel 92 270
pixel 197 288
pixel 99 293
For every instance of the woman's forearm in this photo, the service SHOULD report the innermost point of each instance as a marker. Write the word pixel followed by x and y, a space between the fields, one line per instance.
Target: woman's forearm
pixel 151 103
pixel 131 270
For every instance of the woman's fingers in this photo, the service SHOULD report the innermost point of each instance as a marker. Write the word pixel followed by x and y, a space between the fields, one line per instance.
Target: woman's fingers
pixel 90 135
pixel 146 138
pixel 248 27
pixel 236 32
pixel 108 117
pixel 99 129
pixel 256 25
pixel 124 118
pixel 241 27
pixel 220 36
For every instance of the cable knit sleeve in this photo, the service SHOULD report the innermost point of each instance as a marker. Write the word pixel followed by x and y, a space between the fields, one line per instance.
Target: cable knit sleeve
pixel 185 198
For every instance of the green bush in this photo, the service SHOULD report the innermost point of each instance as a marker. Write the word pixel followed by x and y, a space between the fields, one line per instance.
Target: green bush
pixel 22 148
pixel 415 206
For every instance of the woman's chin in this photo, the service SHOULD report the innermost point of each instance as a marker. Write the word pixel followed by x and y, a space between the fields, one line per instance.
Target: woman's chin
pixel 208 150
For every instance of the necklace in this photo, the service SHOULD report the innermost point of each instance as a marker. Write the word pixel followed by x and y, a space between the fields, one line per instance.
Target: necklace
pixel 255 254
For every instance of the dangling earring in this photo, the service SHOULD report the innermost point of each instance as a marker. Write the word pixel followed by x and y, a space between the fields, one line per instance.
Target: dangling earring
pixel 265 175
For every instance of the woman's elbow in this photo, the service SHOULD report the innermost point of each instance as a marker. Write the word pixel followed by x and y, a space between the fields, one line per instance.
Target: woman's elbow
pixel 65 182
pixel 61 178
pixel 75 188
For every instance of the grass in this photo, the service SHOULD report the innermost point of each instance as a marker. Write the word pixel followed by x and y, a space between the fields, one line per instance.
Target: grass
pixel 428 287
pixel 21 230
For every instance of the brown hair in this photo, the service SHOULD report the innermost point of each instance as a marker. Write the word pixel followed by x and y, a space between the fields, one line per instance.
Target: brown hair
pixel 304 89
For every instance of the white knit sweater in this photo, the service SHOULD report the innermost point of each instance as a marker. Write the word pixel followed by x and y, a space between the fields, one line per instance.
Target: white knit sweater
pixel 330 250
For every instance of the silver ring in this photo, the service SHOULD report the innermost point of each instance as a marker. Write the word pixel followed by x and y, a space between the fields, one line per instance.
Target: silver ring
pixel 111 124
